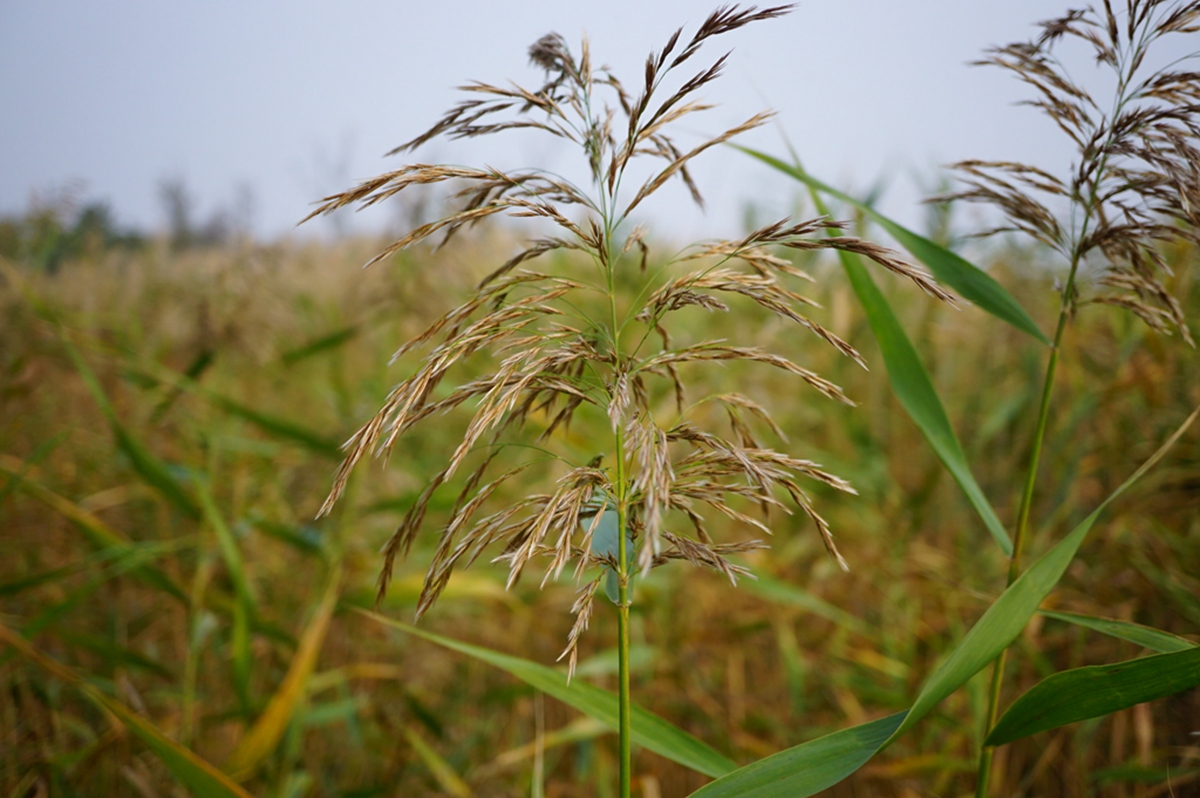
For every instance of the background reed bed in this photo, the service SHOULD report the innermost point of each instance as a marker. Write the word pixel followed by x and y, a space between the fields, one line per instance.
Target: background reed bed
pixel 296 342
pixel 174 620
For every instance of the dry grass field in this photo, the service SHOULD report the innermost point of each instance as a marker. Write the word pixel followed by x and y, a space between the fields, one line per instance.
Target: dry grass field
pixel 169 424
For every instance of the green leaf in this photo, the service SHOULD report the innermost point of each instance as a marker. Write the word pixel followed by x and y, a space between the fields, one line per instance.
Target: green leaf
pixel 263 737
pixel 194 371
pixel 450 782
pixel 1095 691
pixel 649 730
pixel 972 283
pixel 200 777
pixel 102 536
pixel 152 470
pixel 330 341
pixel 1007 617
pixel 1145 636
pixel 230 552
pixel 783 593
pixel 813 766
pixel 44 449
pixel 115 654
pixel 913 387
pixel 279 427
pixel 809 768
pixel 272 425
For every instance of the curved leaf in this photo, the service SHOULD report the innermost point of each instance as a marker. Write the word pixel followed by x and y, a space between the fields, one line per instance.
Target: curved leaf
pixel 813 766
pixel 649 730
pixel 808 768
pixel 450 782
pixel 913 387
pixel 1095 691
pixel 789 595
pixel 152 470
pixel 1145 636
pixel 960 274
pixel 1006 618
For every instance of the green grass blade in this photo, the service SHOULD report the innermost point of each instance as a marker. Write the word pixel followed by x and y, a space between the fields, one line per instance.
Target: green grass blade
pixel 102 536
pixel 783 593
pixel 269 729
pixel 811 767
pixel 115 654
pixel 194 371
pixel 450 782
pixel 270 424
pixel 808 768
pixel 152 470
pixel 1006 618
pixel 279 427
pixel 42 451
pixel 305 539
pixel 18 586
pixel 913 387
pixel 239 646
pixel 230 552
pixel 330 341
pixel 1096 691
pixel 1145 636
pixel 200 777
pixel 972 283
pixel 649 730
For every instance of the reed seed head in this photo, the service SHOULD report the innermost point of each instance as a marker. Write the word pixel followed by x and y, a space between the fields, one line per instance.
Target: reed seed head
pixel 1135 185
pixel 596 340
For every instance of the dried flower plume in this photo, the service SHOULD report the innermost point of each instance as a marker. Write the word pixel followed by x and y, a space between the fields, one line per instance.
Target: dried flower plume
pixel 1136 183
pixel 588 342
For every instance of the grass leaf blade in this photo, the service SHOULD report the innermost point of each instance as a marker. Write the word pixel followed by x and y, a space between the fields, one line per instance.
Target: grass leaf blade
pixel 813 766
pixel 1094 691
pixel 268 730
pixel 808 768
pixel 450 782
pixel 152 470
pixel 1145 636
pixel 913 387
pixel 970 281
pixel 314 347
pixel 649 730
pixel 1008 615
pixel 783 593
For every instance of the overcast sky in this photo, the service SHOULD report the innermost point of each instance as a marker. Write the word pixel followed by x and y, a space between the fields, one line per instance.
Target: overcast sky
pixel 283 102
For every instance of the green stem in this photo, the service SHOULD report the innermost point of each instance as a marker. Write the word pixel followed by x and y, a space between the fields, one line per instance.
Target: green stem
pixel 1014 566
pixel 624 726
pixel 626 750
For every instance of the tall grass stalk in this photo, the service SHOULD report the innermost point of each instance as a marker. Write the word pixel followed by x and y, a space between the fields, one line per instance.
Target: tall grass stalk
pixel 1135 186
pixel 598 341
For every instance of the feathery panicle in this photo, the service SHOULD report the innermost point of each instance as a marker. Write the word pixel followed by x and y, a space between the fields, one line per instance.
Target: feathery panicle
pixel 591 343
pixel 1136 182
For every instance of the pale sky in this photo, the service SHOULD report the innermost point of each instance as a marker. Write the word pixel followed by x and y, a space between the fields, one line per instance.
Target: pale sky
pixel 293 100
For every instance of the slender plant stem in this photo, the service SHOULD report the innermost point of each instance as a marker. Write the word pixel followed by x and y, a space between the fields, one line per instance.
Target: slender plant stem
pixel 626 749
pixel 1022 534
pixel 624 726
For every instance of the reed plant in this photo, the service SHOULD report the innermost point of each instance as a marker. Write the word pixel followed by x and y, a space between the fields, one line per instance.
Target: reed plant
pixel 598 337
pixel 1132 193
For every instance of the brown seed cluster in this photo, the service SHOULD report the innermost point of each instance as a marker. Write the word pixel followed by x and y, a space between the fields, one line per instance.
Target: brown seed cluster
pixel 597 339
pixel 1136 183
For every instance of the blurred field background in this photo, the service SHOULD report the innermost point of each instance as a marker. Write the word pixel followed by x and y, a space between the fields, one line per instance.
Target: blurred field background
pixel 170 412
